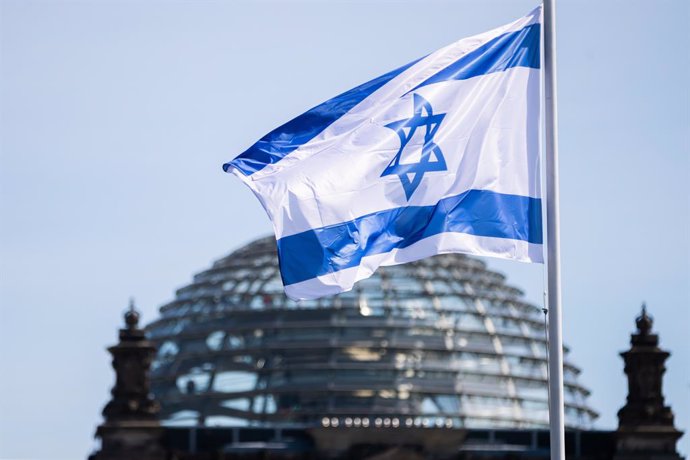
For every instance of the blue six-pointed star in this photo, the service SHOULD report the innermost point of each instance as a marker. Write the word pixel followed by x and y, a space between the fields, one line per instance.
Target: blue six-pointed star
pixel 432 159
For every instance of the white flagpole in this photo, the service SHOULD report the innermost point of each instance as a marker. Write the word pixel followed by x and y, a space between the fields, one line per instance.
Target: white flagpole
pixel 556 416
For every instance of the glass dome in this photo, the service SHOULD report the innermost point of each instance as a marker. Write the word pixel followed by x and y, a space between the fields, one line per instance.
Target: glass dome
pixel 439 342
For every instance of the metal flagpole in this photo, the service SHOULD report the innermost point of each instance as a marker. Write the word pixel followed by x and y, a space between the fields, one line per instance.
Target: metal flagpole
pixel 556 416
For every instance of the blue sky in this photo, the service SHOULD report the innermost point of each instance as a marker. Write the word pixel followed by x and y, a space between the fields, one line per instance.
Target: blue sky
pixel 116 117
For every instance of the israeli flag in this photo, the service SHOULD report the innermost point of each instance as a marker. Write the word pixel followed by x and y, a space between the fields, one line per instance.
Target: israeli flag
pixel 440 155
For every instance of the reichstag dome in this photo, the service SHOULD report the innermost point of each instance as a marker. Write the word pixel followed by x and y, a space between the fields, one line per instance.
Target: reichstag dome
pixel 440 342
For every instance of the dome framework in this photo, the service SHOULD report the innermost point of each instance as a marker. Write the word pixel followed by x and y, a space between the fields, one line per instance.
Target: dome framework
pixel 438 342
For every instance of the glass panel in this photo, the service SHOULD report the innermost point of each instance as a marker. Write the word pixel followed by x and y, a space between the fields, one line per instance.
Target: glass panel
pixel 234 381
pixel 215 340
pixel 222 420
pixel 182 418
pixel 532 390
pixel 193 382
pixel 235 341
pixel 429 406
pixel 448 403
pixel 239 404
pixel 168 349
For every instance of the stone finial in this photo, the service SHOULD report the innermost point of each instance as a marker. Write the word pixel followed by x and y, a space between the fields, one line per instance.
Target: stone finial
pixel 645 429
pixel 644 322
pixel 131 428
pixel 132 316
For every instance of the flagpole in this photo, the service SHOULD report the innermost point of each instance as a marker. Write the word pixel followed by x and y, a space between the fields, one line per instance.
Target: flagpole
pixel 556 413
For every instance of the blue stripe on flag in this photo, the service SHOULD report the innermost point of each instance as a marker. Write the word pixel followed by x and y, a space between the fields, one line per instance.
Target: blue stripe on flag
pixel 514 49
pixel 329 249
pixel 283 140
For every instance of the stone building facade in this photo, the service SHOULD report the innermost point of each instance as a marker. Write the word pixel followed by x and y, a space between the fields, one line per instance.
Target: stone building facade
pixel 132 431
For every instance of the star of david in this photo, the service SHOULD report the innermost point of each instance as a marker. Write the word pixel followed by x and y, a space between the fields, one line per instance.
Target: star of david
pixel 431 159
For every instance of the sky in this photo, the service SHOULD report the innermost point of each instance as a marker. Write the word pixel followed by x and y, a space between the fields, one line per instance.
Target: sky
pixel 115 118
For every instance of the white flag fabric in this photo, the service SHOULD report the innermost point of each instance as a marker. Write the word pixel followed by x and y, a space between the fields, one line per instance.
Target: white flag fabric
pixel 438 156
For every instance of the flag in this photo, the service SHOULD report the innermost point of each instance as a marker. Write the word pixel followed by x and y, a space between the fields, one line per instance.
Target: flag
pixel 438 156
